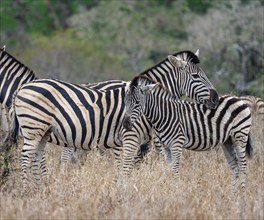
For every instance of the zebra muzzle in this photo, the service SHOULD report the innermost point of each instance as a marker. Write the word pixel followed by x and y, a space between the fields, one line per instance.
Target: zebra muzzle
pixel 127 123
pixel 213 101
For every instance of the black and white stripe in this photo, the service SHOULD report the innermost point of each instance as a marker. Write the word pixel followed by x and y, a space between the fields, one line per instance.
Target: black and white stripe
pixel 77 116
pixel 69 153
pixel 256 104
pixel 178 124
pixel 182 76
pixel 13 74
pixel 82 117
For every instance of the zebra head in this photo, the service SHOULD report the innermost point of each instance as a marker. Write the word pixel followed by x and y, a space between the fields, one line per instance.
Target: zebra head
pixel 133 107
pixel 134 100
pixel 192 80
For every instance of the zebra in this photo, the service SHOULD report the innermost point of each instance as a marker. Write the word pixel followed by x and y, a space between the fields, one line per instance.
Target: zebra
pixel 97 115
pixel 13 74
pixel 256 104
pixel 180 124
pixel 69 153
pixel 156 73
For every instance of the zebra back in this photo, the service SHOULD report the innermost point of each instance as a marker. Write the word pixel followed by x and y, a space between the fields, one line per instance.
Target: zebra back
pixel 106 85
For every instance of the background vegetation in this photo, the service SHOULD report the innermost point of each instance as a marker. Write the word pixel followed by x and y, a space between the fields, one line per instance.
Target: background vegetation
pixel 93 40
pixel 90 40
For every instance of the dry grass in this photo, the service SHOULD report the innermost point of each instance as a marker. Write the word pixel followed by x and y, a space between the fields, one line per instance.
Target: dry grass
pixel 90 192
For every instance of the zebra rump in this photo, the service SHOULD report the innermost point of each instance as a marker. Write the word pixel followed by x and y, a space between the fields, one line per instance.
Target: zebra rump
pixel 256 104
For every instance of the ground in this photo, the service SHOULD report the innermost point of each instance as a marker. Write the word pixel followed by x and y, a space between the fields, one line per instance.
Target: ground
pixel 89 190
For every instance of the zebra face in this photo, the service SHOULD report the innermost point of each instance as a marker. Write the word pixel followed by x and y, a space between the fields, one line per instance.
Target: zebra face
pixel 200 88
pixel 194 83
pixel 133 105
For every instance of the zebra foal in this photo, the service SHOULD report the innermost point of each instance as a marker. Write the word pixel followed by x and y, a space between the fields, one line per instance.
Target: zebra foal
pixel 178 124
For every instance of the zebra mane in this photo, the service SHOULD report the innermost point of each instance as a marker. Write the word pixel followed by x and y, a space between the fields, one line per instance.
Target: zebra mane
pixel 186 55
pixel 135 80
pixel 4 52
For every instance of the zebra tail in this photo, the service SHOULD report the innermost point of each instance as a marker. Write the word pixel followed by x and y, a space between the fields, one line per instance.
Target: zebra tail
pixel 14 129
pixel 249 148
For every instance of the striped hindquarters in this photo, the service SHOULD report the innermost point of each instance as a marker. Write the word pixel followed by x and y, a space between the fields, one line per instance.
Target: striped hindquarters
pixel 79 117
pixel 256 104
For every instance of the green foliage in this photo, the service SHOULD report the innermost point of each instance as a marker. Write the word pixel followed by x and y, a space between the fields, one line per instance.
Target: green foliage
pixel 91 40
pixel 7 16
pixel 199 6
pixel 41 16
pixel 37 10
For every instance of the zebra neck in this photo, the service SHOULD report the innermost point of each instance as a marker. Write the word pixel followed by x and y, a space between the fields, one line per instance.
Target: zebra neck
pixel 156 105
pixel 152 109
pixel 8 64
pixel 165 74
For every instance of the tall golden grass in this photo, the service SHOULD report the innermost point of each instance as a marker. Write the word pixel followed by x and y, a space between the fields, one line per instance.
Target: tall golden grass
pixel 89 190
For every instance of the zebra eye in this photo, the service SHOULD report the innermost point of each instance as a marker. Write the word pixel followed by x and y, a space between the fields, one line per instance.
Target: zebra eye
pixel 195 76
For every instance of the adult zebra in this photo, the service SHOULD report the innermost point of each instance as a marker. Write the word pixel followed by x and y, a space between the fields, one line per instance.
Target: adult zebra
pixel 98 115
pixel 14 73
pixel 163 73
pixel 178 124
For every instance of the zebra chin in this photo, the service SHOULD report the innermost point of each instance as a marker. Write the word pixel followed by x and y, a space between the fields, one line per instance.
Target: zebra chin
pixel 127 123
pixel 213 101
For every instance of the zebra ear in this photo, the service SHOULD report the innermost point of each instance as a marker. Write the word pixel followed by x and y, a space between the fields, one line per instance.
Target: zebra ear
pixel 149 87
pixel 4 47
pixel 176 61
pixel 197 53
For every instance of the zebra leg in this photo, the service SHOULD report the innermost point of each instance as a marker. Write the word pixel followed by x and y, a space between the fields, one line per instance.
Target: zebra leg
pixel 118 156
pixel 39 164
pixel 230 154
pixel 176 153
pixel 167 154
pixel 68 154
pixel 74 156
pixel 163 150
pixel 142 152
pixel 157 143
pixel 130 150
pixel 5 123
pixel 100 152
pixel 29 151
pixel 240 145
